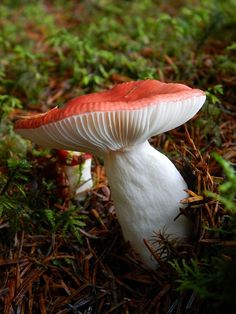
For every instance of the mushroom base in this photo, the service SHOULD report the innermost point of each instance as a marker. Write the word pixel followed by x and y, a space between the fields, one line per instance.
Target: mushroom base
pixel 146 188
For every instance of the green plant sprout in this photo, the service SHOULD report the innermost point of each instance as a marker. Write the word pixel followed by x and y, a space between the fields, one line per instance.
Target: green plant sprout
pixel 10 207
pixel 69 221
pixel 212 93
pixel 227 190
pixel 192 277
pixel 7 104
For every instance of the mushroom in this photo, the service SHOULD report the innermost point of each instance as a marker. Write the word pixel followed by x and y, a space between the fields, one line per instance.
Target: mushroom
pixel 77 168
pixel 146 187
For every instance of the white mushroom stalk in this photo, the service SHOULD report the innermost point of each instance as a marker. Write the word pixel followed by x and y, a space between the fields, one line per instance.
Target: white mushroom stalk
pixel 146 189
pixel 146 186
pixel 77 168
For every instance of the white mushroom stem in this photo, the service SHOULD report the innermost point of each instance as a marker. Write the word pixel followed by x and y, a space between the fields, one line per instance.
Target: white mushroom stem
pixel 146 189
pixel 79 179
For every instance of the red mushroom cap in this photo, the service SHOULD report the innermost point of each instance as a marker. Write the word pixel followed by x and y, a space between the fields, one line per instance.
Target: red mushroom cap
pixel 70 158
pixel 125 115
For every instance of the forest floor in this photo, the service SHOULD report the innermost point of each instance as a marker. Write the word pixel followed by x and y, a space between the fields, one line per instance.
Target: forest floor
pixel 61 256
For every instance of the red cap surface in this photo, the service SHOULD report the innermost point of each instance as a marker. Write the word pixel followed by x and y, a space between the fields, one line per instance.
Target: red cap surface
pixel 70 158
pixel 126 96
pixel 127 114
